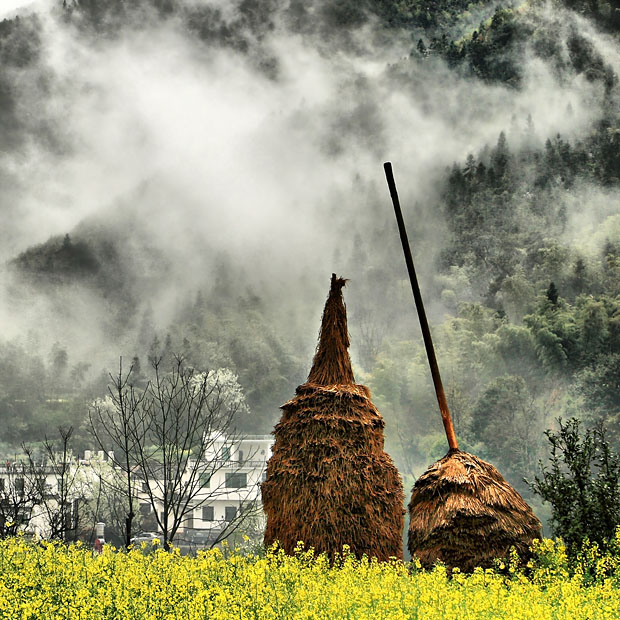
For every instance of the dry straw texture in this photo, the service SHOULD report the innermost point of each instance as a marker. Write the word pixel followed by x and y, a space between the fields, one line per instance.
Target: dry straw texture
pixel 329 482
pixel 465 514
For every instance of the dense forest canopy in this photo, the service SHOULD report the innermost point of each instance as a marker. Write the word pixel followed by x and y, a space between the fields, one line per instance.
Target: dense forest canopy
pixel 182 177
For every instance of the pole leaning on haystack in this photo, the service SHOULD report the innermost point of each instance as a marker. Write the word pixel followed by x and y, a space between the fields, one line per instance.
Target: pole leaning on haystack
pixel 462 512
pixel 426 332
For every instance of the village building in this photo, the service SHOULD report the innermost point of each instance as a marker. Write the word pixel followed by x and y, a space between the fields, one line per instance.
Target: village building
pixel 31 498
pixel 237 468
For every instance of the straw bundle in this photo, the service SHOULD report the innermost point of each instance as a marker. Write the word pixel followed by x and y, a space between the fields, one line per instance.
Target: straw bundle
pixel 465 514
pixel 329 483
pixel 462 511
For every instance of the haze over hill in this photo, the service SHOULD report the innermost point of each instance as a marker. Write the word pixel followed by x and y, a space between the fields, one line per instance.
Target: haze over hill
pixel 212 163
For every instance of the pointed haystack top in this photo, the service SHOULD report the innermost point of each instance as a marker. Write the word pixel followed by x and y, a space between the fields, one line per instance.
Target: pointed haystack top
pixel 332 364
pixel 329 481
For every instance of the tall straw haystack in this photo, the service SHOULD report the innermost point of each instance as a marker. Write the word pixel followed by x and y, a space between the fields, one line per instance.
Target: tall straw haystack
pixel 329 483
pixel 462 511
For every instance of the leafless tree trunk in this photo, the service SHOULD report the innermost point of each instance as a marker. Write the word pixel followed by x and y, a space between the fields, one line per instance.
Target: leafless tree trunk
pixel 173 437
pixel 112 428
pixel 108 493
pixel 60 508
pixel 17 498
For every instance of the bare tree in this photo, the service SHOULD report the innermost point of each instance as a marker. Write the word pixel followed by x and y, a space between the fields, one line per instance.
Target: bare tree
pixel 107 501
pixel 113 424
pixel 54 478
pixel 17 498
pixel 172 438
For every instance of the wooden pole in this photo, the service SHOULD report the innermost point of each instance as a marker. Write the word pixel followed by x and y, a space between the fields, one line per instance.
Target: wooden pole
pixel 426 332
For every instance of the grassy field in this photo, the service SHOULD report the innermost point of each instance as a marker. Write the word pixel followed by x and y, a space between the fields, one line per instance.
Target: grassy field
pixel 54 581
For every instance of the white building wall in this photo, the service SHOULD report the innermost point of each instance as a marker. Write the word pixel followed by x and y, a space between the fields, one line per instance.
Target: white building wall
pixel 248 457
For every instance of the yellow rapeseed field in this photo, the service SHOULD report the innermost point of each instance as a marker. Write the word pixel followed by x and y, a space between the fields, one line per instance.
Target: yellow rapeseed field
pixel 55 581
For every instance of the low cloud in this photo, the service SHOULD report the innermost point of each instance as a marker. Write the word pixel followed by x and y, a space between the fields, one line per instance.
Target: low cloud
pixel 195 149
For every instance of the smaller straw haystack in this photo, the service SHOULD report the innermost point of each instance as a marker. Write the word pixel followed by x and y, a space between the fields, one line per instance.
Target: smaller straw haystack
pixel 329 483
pixel 465 514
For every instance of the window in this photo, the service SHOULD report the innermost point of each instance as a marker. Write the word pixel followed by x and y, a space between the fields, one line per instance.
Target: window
pixel 145 509
pixel 1 484
pixel 263 477
pixel 207 513
pixel 145 487
pixel 230 512
pixel 236 480
pixel 241 456
pixel 19 485
pixel 225 453
pixel 75 513
pixel 189 521
pixel 205 481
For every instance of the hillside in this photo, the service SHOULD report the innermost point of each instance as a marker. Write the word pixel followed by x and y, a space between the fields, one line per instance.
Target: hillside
pixel 193 190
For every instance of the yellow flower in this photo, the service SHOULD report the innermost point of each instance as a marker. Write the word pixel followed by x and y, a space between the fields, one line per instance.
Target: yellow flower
pixel 53 580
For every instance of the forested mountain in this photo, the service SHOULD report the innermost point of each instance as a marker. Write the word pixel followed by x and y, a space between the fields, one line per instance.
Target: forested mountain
pixel 184 177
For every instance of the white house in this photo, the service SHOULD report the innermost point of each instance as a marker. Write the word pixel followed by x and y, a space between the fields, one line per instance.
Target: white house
pixel 230 474
pixel 229 484
pixel 31 496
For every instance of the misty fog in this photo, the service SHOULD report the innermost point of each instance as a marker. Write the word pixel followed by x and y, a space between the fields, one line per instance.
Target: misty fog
pixel 249 165
pixel 207 153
